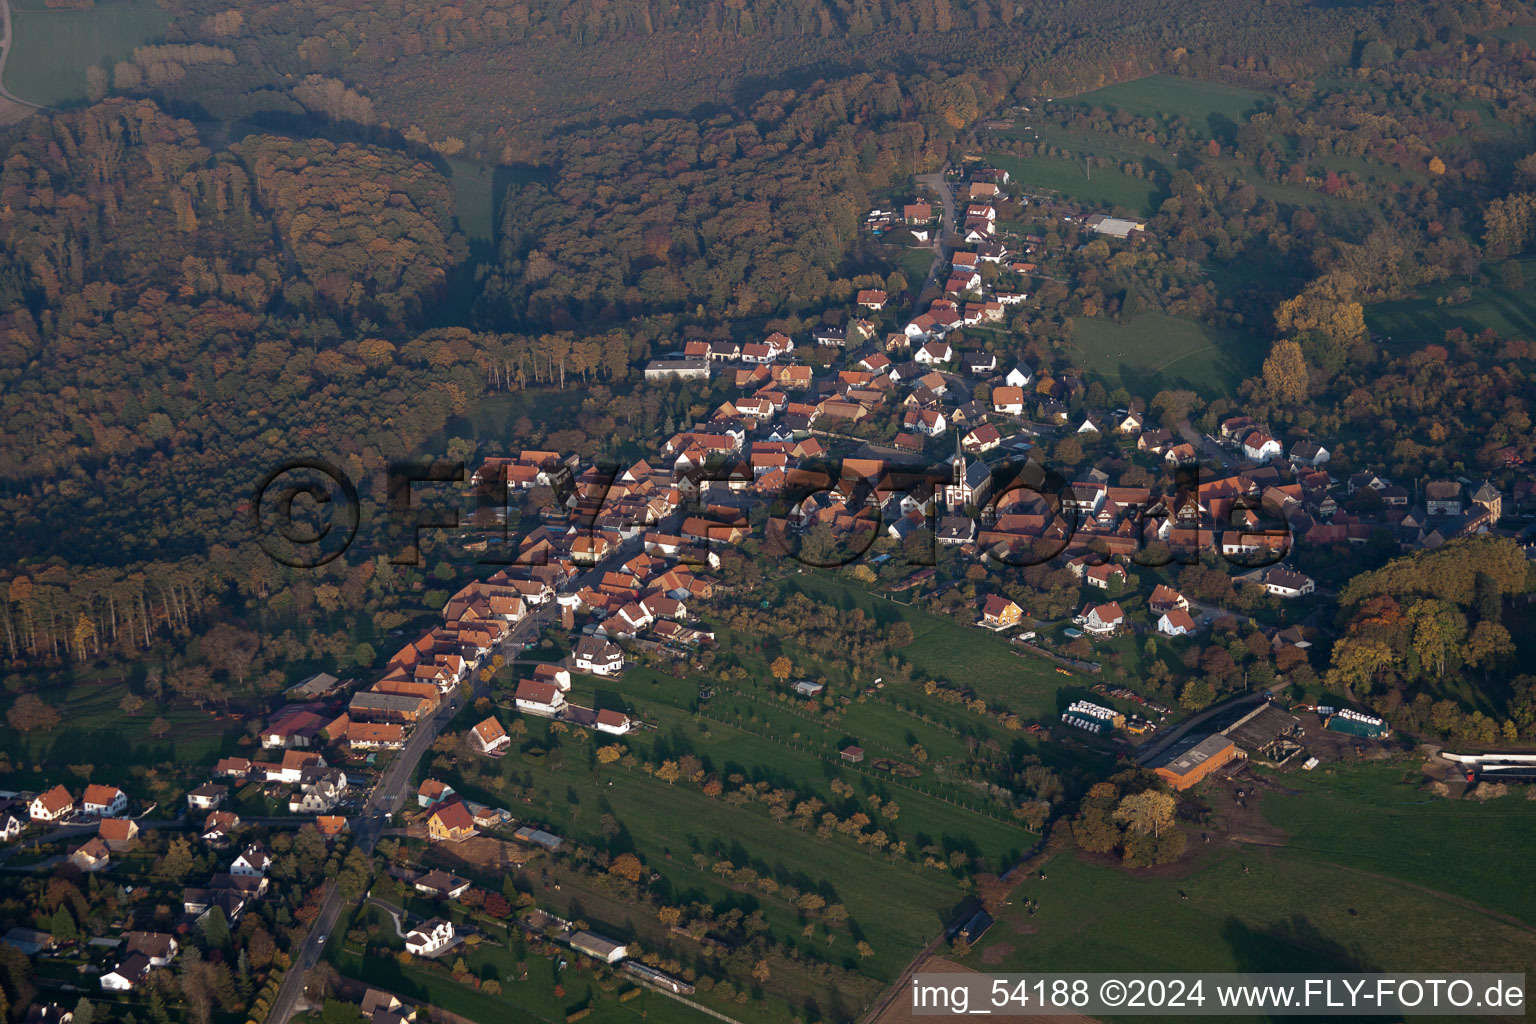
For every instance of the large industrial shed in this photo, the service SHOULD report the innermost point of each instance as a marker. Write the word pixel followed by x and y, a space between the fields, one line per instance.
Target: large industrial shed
pixel 1185 769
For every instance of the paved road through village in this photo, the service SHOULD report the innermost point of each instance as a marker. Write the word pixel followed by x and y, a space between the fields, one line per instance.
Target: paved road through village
pixel 389 796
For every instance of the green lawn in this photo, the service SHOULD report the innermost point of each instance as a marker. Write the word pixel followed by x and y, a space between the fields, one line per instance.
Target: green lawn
pixel 1413 323
pixel 1374 875
pixel 1158 352
pixel 1518 33
pixel 897 904
pixel 1370 818
pixel 474 200
pixel 94 729
pixel 945 650
pixel 1287 912
pixel 53 48
pixel 1166 95
pixel 1104 188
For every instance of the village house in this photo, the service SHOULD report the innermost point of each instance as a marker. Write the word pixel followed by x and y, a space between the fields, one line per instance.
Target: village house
pixel 981 439
pixel 614 723
pixel 1021 376
pixel 430 938
pixel 934 353
pixel 330 826
pixel 253 863
pixel 441 885
pixel 158 947
pixel 433 792
pixel 1101 620
pixel 954 531
pixel 53 805
pixel 536 698
pixel 1175 622
pixel 92 855
pixel 1308 453
pixel 1008 400
pixel 1260 447
pixel 451 822
pixel 128 974
pixel 927 422
pixel 1287 584
pixel 999 612
pixel 490 738
pixel 597 655
pixel 232 767
pixel 103 801
pixel 207 796
pixel 1164 598
pixel 11 826
pixel 1102 576
pixel 118 833
pixel 219 826
pixel 321 790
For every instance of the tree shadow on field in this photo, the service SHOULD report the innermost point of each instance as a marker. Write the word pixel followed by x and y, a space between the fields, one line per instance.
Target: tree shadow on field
pixel 1292 946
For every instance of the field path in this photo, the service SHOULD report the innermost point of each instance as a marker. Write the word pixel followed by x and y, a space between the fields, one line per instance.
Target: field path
pixel 12 108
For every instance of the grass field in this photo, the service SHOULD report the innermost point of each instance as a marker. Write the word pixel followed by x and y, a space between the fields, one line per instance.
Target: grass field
pixel 53 48
pixel 1106 188
pixel 945 650
pixel 1413 323
pixel 95 729
pixel 1157 352
pixel 898 905
pixel 1518 33
pixel 1166 95
pixel 1375 875
pixel 1375 818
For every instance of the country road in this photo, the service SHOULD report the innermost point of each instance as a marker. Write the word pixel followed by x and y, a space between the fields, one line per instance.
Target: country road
pixel 389 796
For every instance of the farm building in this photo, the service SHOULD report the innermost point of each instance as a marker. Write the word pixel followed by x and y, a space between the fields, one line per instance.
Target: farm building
pixel 598 947
pixel 1185 769
pixel 1266 732
pixel 539 837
